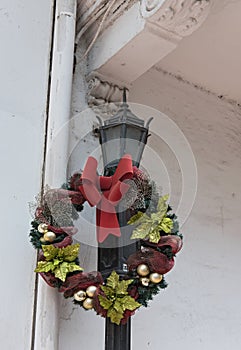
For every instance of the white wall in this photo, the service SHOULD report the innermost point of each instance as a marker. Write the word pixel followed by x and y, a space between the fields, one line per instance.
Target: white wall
pixel 25 29
pixel 201 308
pixel 210 57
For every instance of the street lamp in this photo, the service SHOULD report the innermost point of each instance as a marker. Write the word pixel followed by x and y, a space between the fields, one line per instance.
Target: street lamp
pixel 123 133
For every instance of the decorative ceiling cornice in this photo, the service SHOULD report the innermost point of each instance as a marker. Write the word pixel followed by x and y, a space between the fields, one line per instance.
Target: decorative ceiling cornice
pixel 148 7
pixel 179 17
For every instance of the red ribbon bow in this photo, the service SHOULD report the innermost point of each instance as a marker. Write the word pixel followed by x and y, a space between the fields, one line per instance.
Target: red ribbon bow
pixel 105 192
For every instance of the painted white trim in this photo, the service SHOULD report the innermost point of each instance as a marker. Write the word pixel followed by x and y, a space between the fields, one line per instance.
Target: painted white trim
pixel 47 315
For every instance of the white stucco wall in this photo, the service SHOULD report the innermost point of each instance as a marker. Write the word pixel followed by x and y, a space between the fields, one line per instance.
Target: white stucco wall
pixel 25 29
pixel 200 309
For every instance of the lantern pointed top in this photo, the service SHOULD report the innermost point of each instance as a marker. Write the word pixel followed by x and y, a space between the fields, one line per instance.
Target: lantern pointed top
pixel 124 114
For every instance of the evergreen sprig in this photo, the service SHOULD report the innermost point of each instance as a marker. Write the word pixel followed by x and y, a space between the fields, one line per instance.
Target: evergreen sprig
pixel 35 236
pixel 147 293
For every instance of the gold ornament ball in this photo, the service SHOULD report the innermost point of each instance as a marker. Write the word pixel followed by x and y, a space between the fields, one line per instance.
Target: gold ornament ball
pixel 145 281
pixel 49 236
pixel 155 277
pixel 42 240
pixel 143 270
pixel 90 291
pixel 88 303
pixel 42 228
pixel 80 295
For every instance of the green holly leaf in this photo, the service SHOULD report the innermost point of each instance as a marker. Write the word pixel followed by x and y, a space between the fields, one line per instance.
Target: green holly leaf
pixel 60 261
pixel 162 205
pixel 113 280
pixel 138 218
pixel 74 267
pixel 155 217
pixel 136 234
pixel 70 253
pixel 142 231
pixel 56 262
pixel 149 226
pixel 118 306
pixel 107 290
pixel 50 252
pixel 61 271
pixel 166 225
pixel 104 302
pixel 114 316
pixel 122 287
pixel 116 299
pixel 154 236
pixel 129 303
pixel 44 266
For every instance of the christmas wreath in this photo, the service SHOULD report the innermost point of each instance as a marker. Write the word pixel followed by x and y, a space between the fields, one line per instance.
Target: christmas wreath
pixel 154 226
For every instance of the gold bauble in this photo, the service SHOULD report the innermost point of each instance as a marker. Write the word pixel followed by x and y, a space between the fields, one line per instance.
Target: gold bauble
pixel 145 281
pixel 88 304
pixel 90 291
pixel 155 277
pixel 80 295
pixel 49 236
pixel 42 228
pixel 42 240
pixel 143 270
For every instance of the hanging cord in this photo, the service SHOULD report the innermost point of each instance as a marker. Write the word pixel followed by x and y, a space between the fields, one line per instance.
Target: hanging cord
pixel 97 33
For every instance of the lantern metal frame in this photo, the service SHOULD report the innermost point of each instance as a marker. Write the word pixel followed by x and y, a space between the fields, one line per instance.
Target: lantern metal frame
pixel 125 120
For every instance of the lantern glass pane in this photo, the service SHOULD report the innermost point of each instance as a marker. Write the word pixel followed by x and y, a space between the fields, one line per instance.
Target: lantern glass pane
pixel 133 144
pixel 112 132
pixel 111 144
pixel 112 151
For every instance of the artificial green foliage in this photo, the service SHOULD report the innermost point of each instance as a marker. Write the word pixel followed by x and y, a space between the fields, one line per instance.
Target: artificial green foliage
pixel 35 236
pixel 151 226
pixel 60 261
pixel 145 294
pixel 116 299
pixel 166 251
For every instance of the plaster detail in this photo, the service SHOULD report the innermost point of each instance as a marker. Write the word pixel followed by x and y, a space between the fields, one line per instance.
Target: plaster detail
pixel 179 17
pixel 148 7
pixel 103 96
pixel 101 91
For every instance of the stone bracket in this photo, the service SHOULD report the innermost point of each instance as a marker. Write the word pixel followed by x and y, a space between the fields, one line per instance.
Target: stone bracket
pixel 103 96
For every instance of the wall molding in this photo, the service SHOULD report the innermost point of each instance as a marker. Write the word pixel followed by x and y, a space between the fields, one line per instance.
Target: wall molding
pixel 179 17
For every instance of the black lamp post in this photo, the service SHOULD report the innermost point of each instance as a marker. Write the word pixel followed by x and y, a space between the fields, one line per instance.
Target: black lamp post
pixel 123 133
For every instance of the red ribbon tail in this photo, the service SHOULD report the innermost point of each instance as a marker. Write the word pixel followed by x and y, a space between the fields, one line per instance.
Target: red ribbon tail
pixel 106 224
